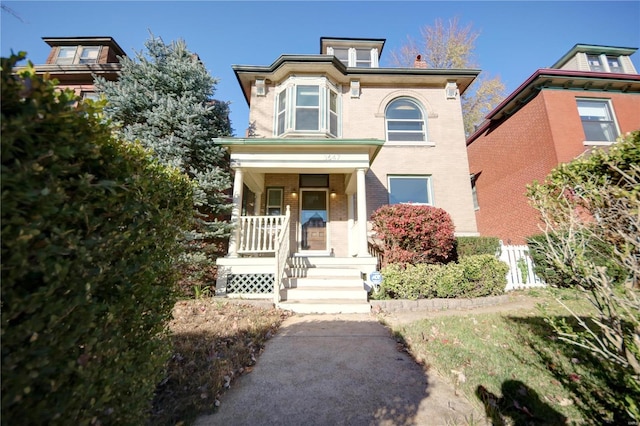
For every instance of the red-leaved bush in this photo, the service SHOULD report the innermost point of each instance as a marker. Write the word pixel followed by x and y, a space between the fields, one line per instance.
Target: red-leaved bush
pixel 414 233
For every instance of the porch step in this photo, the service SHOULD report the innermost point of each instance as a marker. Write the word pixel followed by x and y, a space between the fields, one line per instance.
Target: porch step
pixel 326 306
pixel 324 281
pixel 319 293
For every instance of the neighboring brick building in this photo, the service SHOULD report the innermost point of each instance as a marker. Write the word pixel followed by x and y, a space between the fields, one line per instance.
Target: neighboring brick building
pixel 74 61
pixel 588 98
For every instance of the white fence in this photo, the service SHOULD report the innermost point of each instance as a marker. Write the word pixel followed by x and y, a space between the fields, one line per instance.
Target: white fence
pixel 520 273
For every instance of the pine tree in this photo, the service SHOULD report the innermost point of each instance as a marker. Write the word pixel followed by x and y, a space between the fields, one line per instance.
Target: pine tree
pixel 164 99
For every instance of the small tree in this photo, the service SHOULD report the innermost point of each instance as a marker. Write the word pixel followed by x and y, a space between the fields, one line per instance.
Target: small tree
pixel 452 47
pixel 414 233
pixel 592 205
pixel 164 99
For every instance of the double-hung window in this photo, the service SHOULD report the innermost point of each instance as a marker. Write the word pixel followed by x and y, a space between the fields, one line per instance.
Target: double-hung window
pixel 405 121
pixel 597 120
pixel 275 197
pixel 68 55
pixel 410 189
pixel 309 107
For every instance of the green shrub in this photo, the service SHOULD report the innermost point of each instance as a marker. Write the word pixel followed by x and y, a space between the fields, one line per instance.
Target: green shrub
pixel 473 276
pixel 407 282
pixel 89 228
pixel 470 246
pixel 596 251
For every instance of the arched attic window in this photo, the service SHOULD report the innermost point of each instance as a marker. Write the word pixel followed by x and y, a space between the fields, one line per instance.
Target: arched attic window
pixel 405 121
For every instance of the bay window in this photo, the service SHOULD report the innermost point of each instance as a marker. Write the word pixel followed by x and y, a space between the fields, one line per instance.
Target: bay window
pixel 307 106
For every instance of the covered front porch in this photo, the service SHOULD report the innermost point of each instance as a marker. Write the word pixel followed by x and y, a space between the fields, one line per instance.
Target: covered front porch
pixel 299 213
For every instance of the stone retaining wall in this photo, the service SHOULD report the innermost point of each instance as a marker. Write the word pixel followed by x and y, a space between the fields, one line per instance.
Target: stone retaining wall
pixel 435 304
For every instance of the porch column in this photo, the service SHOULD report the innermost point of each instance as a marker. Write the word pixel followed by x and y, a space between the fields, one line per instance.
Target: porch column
pixel 256 206
pixel 362 215
pixel 352 246
pixel 235 213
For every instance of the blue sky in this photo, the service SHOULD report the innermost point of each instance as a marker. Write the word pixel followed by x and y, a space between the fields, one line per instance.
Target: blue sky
pixel 516 37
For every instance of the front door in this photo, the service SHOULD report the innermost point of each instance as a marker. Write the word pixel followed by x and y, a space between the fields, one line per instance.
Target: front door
pixel 313 219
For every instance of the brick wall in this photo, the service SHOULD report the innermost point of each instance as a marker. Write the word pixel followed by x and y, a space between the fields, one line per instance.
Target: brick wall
pixel 526 147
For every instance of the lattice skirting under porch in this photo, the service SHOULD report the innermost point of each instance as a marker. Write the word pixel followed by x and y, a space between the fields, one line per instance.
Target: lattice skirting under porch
pixel 250 283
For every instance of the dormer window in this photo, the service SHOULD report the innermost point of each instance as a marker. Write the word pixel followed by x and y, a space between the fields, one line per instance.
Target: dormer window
pixel 307 106
pixel 355 57
pixel 614 64
pixel 68 55
pixel 604 63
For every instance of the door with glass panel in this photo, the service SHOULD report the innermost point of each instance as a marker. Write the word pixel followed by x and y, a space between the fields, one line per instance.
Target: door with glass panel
pixel 313 219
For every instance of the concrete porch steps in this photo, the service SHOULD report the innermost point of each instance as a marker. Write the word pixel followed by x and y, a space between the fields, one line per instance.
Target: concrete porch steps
pixel 324 285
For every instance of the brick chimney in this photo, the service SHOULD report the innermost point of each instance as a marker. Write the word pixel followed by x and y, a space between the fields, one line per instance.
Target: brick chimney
pixel 419 62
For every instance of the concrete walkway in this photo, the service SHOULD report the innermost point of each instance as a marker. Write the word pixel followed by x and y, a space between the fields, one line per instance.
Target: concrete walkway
pixel 343 369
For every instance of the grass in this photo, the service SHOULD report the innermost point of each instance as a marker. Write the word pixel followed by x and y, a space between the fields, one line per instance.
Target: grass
pixel 513 367
pixel 214 343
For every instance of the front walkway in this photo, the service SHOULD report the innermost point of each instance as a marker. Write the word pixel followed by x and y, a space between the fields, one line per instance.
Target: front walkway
pixel 343 369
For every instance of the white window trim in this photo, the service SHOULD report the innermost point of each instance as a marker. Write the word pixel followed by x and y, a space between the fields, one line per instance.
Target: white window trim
pixel 78 54
pixel 613 118
pixel 425 142
pixel 429 179
pixel 290 107
pixel 267 206
pixel 604 62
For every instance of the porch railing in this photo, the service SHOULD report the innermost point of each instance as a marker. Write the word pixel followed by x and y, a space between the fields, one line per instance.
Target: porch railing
pixel 258 233
pixel 282 253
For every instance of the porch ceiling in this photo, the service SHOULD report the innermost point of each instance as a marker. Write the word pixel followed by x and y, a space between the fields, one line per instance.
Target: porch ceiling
pixel 301 155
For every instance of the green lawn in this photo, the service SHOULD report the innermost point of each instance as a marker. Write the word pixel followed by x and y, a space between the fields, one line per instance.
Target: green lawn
pixel 513 367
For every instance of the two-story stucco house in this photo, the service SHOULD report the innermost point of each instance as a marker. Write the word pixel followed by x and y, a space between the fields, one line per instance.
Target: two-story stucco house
pixel 332 137
pixel 587 99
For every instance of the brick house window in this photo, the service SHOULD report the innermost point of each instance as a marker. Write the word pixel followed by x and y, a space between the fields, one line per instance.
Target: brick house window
pixel 597 120
pixel 308 107
pixel 68 55
pixel 410 189
pixel 405 121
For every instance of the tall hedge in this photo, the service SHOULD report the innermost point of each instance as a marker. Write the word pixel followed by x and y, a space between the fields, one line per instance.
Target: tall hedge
pixel 89 227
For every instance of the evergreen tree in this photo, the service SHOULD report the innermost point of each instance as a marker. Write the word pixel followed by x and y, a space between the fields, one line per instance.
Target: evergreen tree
pixel 164 99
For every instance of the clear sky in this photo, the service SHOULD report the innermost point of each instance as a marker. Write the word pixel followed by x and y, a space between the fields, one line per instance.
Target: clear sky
pixel 516 37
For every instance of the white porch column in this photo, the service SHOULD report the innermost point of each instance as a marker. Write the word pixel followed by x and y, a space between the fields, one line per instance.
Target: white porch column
pixel 352 246
pixel 362 215
pixel 256 206
pixel 235 213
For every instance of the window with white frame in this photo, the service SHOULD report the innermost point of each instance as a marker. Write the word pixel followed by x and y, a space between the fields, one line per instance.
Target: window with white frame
pixel 342 53
pixel 614 64
pixel 597 120
pixel 363 58
pixel 594 63
pixel 308 106
pixel 604 63
pixel 355 57
pixel 405 121
pixel 410 189
pixel 274 202
pixel 77 55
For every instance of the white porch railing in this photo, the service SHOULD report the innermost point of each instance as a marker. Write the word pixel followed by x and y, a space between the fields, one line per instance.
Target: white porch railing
pixel 258 233
pixel 282 253
pixel 520 273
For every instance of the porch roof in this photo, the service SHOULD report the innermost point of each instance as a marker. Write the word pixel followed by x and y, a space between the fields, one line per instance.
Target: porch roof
pixel 307 155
